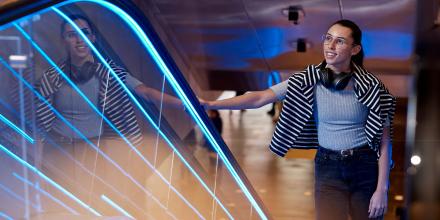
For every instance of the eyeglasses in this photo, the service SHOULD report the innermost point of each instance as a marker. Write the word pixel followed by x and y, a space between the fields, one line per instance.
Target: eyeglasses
pixel 340 41
pixel 73 34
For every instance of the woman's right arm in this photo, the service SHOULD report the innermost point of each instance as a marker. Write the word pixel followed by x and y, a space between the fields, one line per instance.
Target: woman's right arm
pixel 246 101
pixel 251 99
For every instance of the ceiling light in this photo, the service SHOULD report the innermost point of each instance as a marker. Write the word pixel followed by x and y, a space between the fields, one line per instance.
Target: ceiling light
pixel 294 13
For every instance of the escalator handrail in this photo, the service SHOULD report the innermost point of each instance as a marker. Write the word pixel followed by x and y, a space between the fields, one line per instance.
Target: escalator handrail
pixel 13 10
pixel 141 19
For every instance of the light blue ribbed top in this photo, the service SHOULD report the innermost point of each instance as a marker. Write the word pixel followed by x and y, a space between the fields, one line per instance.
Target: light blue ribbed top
pixel 75 109
pixel 340 117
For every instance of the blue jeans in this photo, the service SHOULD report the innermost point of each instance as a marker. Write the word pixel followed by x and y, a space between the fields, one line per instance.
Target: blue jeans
pixel 344 184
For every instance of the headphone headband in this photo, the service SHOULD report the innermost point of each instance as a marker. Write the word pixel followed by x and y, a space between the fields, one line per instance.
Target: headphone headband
pixel 83 74
pixel 331 80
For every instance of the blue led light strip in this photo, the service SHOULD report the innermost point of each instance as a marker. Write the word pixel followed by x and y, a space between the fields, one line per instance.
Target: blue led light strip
pixel 179 92
pixel 45 193
pixel 17 129
pixel 122 84
pixel 6 105
pixel 97 177
pixel 7 217
pixel 178 89
pixel 53 64
pixel 116 206
pixel 83 137
pixel 99 56
pixel 53 183
pixel 276 76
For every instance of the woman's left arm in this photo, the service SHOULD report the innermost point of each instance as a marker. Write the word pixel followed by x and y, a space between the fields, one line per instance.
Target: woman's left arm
pixel 379 200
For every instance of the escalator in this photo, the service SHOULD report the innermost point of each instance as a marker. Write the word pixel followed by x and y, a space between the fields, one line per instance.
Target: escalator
pixel 97 122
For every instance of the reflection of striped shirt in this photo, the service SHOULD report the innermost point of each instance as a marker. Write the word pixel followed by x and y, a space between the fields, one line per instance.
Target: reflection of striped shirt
pixel 297 128
pixel 112 98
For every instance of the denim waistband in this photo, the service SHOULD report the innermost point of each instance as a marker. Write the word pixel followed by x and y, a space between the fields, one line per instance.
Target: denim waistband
pixel 345 154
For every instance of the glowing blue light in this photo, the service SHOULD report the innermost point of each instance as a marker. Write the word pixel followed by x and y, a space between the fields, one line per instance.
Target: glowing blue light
pixel 7 217
pixel 45 193
pixel 387 44
pixel 17 129
pixel 183 97
pixel 179 91
pixel 12 110
pixel 94 176
pixel 53 183
pixel 82 135
pixel 122 84
pixel 274 78
pixel 116 206
pixel 53 64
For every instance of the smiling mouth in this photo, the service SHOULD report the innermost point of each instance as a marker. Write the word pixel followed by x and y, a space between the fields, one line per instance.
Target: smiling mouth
pixel 330 54
pixel 81 47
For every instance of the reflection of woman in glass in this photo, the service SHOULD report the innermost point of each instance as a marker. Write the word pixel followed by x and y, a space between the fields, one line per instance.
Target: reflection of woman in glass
pixel 92 78
pixel 65 149
pixel 96 82
pixel 346 112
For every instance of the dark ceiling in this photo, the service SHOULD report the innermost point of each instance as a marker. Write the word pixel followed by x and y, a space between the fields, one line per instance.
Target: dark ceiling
pixel 254 36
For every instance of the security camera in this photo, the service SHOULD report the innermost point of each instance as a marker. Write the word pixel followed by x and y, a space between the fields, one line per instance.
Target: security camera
pixel 295 13
pixel 301 45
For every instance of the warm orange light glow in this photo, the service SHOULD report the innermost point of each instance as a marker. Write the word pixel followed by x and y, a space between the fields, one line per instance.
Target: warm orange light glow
pixel 398 197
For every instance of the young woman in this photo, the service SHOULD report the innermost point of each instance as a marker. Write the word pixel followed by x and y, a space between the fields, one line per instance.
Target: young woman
pixel 345 112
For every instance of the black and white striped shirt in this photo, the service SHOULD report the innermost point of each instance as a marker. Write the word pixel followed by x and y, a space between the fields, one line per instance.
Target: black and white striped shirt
pixel 296 127
pixel 112 98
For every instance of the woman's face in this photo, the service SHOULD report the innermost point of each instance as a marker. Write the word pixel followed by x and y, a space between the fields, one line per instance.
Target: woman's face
pixel 338 47
pixel 76 46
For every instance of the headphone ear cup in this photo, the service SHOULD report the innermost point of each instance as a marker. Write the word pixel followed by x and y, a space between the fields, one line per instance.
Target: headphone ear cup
pixel 86 72
pixel 341 80
pixel 334 81
pixel 88 69
pixel 326 77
